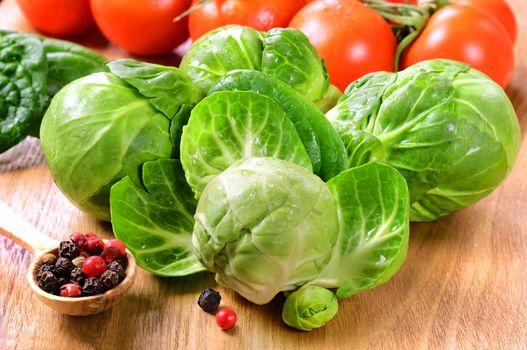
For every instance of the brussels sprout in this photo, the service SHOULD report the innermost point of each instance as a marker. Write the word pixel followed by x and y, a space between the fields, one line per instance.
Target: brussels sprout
pixel 232 125
pixel 265 225
pixel 289 56
pixel 309 307
pixel 220 51
pixel 320 140
pixel 102 128
pixel 284 53
pixel 450 130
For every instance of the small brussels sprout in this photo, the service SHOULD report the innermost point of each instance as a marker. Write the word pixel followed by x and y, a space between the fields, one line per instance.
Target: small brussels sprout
pixel 310 307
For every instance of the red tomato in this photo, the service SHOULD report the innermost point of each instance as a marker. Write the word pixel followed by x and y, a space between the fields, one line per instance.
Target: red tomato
pixel 352 39
pixel 466 34
pixel 259 14
pixel 142 27
pixel 499 9
pixel 58 17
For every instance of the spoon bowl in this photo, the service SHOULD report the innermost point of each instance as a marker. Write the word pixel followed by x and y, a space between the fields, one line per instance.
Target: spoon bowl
pixel 16 228
pixel 81 306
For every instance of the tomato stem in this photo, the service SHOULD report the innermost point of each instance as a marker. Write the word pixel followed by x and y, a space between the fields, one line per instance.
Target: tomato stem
pixel 191 9
pixel 436 4
pixel 407 21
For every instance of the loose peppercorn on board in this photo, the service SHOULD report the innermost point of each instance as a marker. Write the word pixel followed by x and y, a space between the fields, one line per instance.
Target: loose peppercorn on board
pixel 463 285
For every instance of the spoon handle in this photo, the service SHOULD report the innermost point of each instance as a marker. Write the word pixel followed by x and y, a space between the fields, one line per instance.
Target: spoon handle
pixel 16 228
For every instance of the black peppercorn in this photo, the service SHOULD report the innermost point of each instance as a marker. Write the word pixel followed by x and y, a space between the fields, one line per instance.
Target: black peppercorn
pixel 68 249
pixel 63 267
pixel 48 282
pixel 45 268
pixel 109 279
pixel 123 261
pixel 77 276
pixel 62 281
pixel 117 267
pixel 209 300
pixel 92 286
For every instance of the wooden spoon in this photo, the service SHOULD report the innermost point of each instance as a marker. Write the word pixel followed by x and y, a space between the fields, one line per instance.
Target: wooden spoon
pixel 20 231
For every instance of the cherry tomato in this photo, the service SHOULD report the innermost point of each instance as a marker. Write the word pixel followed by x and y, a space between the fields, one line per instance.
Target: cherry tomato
pixel 58 17
pixel 142 27
pixel 226 318
pixel 499 9
pixel 352 38
pixel 466 34
pixel 259 14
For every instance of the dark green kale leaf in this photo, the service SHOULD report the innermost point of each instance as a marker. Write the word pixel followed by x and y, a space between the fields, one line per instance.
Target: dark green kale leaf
pixel 23 88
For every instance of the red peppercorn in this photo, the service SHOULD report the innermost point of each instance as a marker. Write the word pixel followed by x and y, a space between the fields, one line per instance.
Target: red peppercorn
pixel 94 245
pixel 80 240
pixel 226 318
pixel 93 266
pixel 91 235
pixel 113 250
pixel 70 290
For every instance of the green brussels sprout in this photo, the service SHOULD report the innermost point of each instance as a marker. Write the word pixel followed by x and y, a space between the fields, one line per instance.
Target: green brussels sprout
pixel 289 56
pixel 263 226
pixel 323 145
pixel 231 125
pixel 449 129
pixel 105 126
pixel 284 53
pixel 310 307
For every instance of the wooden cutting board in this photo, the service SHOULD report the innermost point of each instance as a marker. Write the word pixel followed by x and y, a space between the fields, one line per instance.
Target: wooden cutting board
pixel 464 284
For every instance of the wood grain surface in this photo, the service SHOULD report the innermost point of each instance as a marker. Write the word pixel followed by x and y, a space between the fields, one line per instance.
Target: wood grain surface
pixel 463 286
